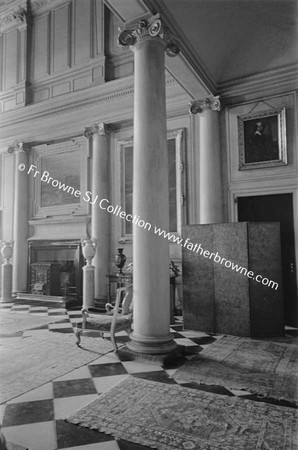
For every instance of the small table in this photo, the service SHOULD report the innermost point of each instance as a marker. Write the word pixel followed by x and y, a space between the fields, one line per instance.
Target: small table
pixel 121 280
pixel 124 279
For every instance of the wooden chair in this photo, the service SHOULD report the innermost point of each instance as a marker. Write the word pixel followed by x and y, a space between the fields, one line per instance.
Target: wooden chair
pixel 118 319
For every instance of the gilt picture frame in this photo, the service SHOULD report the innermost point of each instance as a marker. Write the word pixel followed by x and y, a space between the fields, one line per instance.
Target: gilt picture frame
pixel 262 139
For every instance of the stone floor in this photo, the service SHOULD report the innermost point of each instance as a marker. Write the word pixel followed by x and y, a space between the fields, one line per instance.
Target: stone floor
pixel 35 420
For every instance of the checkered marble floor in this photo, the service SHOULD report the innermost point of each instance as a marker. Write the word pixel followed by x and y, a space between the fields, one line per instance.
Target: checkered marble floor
pixel 35 420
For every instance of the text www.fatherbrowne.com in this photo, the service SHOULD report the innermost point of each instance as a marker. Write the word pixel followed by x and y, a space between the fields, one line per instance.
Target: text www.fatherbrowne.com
pixel 197 248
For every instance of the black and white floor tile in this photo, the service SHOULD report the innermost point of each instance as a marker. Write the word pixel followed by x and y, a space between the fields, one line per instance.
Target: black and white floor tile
pixel 35 420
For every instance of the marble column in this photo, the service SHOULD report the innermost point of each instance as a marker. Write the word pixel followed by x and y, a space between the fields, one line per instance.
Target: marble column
pixel 20 218
pixel 100 218
pixel 210 184
pixel 151 288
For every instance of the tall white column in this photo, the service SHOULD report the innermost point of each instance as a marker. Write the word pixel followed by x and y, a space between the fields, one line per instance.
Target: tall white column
pixel 100 220
pixel 20 219
pixel 151 289
pixel 210 184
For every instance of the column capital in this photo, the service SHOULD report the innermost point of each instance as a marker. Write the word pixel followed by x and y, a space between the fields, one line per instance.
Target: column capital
pixel 101 129
pixel 198 106
pixel 18 146
pixel 152 28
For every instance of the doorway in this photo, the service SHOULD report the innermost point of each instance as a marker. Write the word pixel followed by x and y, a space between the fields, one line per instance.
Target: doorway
pixel 277 208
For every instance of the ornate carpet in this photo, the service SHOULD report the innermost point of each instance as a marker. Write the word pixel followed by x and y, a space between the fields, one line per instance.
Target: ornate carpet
pixel 41 356
pixel 168 417
pixel 262 367
pixel 13 322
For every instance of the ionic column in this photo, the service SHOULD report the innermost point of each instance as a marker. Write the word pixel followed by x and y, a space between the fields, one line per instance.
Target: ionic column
pixel 210 185
pixel 100 230
pixel 20 219
pixel 151 288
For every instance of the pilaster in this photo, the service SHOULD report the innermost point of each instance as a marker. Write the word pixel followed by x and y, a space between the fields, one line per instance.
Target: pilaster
pixel 100 220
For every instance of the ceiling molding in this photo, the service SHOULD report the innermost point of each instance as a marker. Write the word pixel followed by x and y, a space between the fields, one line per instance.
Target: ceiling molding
pixel 272 82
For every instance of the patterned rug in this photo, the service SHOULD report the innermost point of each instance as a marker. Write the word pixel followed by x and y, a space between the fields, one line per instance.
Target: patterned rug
pixel 262 367
pixel 168 417
pixel 13 322
pixel 38 357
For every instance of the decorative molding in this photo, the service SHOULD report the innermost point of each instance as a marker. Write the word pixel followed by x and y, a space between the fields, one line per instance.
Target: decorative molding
pixel 38 5
pixel 102 129
pixel 198 106
pixel 254 86
pixel 41 111
pixel 78 218
pixel 148 29
pixel 88 132
pixel 18 146
pixel 14 15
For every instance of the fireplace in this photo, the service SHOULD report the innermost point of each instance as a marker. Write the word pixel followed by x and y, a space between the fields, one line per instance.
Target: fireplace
pixel 55 268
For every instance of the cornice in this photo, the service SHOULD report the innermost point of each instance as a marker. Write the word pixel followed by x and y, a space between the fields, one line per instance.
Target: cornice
pixel 110 92
pixel 273 82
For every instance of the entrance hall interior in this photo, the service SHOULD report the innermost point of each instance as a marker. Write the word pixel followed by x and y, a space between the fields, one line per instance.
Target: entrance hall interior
pixel 152 143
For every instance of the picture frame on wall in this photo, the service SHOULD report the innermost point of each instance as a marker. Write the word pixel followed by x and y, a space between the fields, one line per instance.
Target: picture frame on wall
pixel 262 139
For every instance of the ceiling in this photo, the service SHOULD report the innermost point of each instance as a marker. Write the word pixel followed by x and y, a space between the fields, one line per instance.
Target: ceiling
pixel 231 39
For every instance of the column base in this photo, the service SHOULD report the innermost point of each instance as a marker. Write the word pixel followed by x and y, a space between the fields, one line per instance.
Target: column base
pixel 124 353
pixel 151 345
pixel 6 300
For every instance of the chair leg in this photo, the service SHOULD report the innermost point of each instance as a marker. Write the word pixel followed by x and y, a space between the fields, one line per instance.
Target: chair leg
pixel 114 342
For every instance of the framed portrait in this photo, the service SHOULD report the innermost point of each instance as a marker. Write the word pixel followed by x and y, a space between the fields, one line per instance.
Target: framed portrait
pixel 262 139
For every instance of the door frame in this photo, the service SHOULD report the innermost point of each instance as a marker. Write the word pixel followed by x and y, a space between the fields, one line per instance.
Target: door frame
pixel 236 192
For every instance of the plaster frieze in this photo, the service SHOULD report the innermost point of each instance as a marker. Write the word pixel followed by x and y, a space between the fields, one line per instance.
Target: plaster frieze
pixel 14 15
pixel 198 106
pixel 153 28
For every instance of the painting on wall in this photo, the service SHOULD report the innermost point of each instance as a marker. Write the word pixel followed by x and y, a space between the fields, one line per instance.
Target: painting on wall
pixel 176 180
pixel 60 188
pixel 262 139
pixel 67 172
